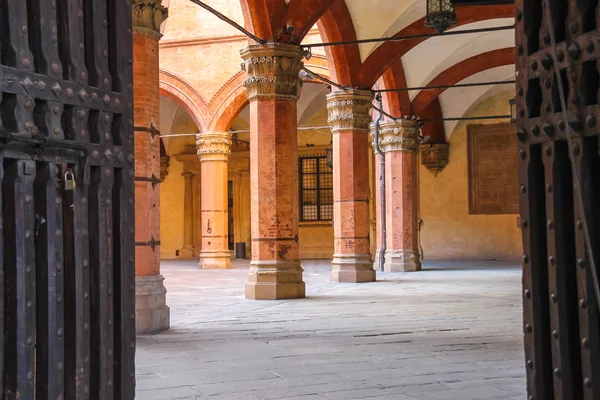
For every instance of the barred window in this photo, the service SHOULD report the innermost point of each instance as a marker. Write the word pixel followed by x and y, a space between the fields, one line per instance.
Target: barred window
pixel 316 189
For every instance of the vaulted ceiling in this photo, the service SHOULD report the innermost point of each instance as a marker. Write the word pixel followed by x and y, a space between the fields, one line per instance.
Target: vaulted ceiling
pixel 474 57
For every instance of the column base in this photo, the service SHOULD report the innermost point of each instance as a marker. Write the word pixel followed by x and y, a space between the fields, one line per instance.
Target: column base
pixel 275 280
pixel 186 253
pixel 152 314
pixel 352 268
pixel 376 265
pixel 215 259
pixel 402 261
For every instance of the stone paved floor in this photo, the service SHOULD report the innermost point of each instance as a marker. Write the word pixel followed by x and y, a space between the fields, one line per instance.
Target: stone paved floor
pixel 451 332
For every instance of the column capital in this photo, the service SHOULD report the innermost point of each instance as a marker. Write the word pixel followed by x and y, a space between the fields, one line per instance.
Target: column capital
pixel 213 146
pixel 148 15
pixel 401 135
pixel 350 110
pixel 273 70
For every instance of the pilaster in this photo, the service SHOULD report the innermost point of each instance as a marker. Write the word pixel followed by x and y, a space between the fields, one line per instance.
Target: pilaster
pixel 152 313
pixel 400 140
pixel 274 87
pixel 349 119
pixel 213 152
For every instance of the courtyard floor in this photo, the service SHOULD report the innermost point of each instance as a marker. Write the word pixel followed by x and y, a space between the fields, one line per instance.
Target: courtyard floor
pixel 450 332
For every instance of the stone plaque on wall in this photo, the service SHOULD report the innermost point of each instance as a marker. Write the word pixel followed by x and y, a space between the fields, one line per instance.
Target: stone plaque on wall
pixel 493 169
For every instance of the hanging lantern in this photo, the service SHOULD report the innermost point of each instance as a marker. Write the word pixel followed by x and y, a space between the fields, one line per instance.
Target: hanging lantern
pixel 440 15
pixel 329 153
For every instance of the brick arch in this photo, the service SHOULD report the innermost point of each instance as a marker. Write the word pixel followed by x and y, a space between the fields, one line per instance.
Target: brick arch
pixel 182 93
pixel 231 98
pixel 268 18
pixel 460 71
pixel 229 101
pixel 344 61
pixel 396 103
pixel 379 61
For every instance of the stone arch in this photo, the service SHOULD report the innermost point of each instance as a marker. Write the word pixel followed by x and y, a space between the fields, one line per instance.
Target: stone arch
pixel 182 93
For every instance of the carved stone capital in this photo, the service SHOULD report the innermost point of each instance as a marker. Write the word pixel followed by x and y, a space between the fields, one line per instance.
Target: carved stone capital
pixel 349 110
pixel 273 70
pixel 213 146
pixel 400 135
pixel 435 156
pixel 148 15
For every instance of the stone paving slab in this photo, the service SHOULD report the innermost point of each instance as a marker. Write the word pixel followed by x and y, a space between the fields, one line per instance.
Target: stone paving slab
pixel 451 331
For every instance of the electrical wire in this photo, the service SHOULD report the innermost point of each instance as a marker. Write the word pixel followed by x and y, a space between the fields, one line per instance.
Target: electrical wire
pixel 458 85
pixel 300 128
pixel 408 37
pixel 337 85
pixel 577 181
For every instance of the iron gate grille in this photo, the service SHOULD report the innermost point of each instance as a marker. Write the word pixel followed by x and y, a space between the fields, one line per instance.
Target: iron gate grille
pixel 67 277
pixel 560 314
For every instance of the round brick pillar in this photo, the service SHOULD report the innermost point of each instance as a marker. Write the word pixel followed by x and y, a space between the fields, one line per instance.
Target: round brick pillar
pixel 273 90
pixel 399 140
pixel 349 119
pixel 152 313
pixel 213 151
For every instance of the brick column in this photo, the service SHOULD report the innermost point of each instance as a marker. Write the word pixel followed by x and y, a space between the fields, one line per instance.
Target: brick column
pixel 349 119
pixel 273 90
pixel 152 313
pixel 187 252
pixel 399 140
pixel 213 152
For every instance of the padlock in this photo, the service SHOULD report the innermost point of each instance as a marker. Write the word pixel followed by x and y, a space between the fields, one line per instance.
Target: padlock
pixel 69 180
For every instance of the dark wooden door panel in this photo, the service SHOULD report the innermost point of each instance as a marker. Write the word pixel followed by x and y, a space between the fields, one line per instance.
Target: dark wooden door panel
pixel 67 312
pixel 558 150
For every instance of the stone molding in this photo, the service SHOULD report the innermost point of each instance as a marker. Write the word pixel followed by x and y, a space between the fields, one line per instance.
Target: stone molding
pixel 435 156
pixel 148 15
pixel 350 110
pixel 213 146
pixel 401 135
pixel 273 70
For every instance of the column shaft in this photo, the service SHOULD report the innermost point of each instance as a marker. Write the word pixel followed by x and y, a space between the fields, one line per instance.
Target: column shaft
pixel 152 313
pixel 213 151
pixel 349 119
pixel 273 89
pixel 400 142
pixel 187 252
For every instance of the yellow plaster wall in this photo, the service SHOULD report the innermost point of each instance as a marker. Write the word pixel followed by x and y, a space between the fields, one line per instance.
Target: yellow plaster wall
pixel 448 231
pixel 316 240
pixel 171 211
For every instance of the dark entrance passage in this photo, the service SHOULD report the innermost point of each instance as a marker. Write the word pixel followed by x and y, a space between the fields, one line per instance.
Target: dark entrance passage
pixel 67 281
